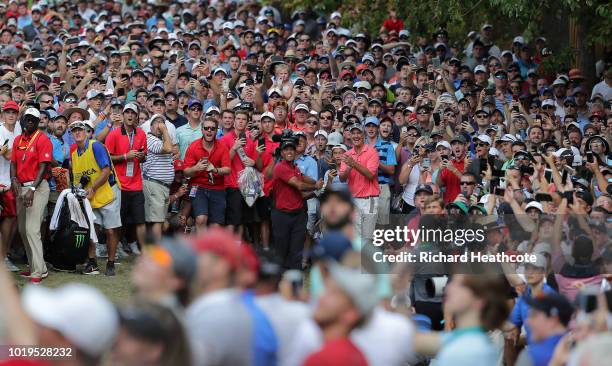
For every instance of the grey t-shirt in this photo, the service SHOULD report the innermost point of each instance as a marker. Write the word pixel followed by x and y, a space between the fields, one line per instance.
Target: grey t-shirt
pixel 219 327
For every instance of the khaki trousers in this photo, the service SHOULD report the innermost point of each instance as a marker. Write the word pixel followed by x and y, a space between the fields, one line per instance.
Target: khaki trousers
pixel 29 221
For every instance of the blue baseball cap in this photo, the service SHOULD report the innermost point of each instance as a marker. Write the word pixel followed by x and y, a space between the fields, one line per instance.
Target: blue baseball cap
pixel 371 120
pixel 332 245
pixel 193 102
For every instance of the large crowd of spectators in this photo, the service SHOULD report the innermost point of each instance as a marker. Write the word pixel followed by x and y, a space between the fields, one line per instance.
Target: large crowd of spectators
pixel 244 159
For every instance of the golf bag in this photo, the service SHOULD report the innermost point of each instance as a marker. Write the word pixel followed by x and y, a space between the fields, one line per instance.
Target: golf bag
pixel 69 243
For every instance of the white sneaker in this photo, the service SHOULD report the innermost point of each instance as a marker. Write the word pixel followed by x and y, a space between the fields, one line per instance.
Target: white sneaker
pixel 10 266
pixel 101 251
pixel 134 248
pixel 121 253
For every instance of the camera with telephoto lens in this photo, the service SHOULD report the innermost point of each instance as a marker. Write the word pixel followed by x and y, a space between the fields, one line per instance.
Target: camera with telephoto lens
pixel 79 190
pixel 286 137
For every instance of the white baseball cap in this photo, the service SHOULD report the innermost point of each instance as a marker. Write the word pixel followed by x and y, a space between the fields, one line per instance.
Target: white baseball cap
pixel 132 107
pixel 340 146
pixel 321 133
pixel 362 84
pixel 334 139
pixel 443 143
pixel 480 68
pixel 302 107
pixel 535 204
pixel 519 39
pixel 93 93
pixel 548 102
pixel 32 112
pixel 79 312
pixel 484 138
pixel 508 138
pixel 559 81
pixel 213 108
pixel 268 115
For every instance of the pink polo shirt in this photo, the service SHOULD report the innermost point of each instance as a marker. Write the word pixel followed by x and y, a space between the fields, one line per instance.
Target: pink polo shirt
pixel 358 184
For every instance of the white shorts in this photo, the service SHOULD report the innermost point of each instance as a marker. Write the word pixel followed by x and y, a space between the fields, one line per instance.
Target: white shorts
pixel 109 216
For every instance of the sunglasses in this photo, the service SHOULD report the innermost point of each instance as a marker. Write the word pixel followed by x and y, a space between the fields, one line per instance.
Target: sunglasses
pixel 467 183
pixel 548 107
pixel 312 122
pixel 211 129
pixel 47 101
pixel 494 65
pixel 195 109
pixel 413 134
pixel 482 144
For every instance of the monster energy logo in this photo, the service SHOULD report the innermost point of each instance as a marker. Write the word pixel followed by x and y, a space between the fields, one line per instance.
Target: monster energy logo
pixel 80 240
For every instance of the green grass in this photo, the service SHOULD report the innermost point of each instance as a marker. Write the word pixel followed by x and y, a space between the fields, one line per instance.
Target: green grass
pixel 118 288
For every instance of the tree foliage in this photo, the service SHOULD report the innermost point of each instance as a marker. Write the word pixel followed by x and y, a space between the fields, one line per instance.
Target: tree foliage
pixel 510 17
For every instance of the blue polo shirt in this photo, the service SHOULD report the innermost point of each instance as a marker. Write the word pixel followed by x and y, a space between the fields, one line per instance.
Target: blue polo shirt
pixel 308 166
pixel 541 352
pixel 386 154
pixel 521 310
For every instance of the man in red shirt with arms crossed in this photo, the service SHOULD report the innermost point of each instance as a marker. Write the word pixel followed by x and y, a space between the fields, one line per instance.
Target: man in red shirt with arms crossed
pixel 207 162
pixel 32 155
pixel 289 215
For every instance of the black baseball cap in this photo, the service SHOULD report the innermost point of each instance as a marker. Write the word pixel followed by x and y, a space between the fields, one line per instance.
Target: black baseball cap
pixel 552 304
pixel 423 188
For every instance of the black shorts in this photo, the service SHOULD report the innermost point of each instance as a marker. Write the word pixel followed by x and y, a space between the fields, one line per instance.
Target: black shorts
pixel 234 211
pixel 132 207
pixel 263 205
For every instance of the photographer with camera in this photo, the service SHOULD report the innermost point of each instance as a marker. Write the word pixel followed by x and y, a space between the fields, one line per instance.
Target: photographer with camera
pixel 289 216
pixel 91 160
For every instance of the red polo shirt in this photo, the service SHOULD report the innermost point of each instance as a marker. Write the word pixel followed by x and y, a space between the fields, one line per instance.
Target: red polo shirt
pixel 451 181
pixel 231 180
pixel 358 184
pixel 218 157
pixel 118 143
pixel 286 197
pixel 267 159
pixel 295 127
pixel 28 152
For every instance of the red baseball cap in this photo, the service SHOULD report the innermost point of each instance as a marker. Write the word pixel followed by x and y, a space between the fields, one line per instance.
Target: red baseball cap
pixel 10 105
pixel 249 258
pixel 179 166
pixel 346 72
pixel 222 243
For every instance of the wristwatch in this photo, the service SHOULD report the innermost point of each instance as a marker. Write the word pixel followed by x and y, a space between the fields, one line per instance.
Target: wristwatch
pixel 32 188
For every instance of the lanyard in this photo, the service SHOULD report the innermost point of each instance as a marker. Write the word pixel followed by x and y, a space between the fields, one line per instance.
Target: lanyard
pixel 131 138
pixel 28 145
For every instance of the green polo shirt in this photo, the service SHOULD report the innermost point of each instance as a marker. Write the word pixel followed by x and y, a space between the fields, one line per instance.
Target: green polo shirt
pixel 185 135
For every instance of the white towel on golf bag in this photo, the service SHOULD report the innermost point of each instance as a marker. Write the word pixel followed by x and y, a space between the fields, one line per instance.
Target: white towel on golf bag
pixel 76 214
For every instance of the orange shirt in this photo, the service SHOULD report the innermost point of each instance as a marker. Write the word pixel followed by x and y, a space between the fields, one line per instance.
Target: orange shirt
pixel 358 184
